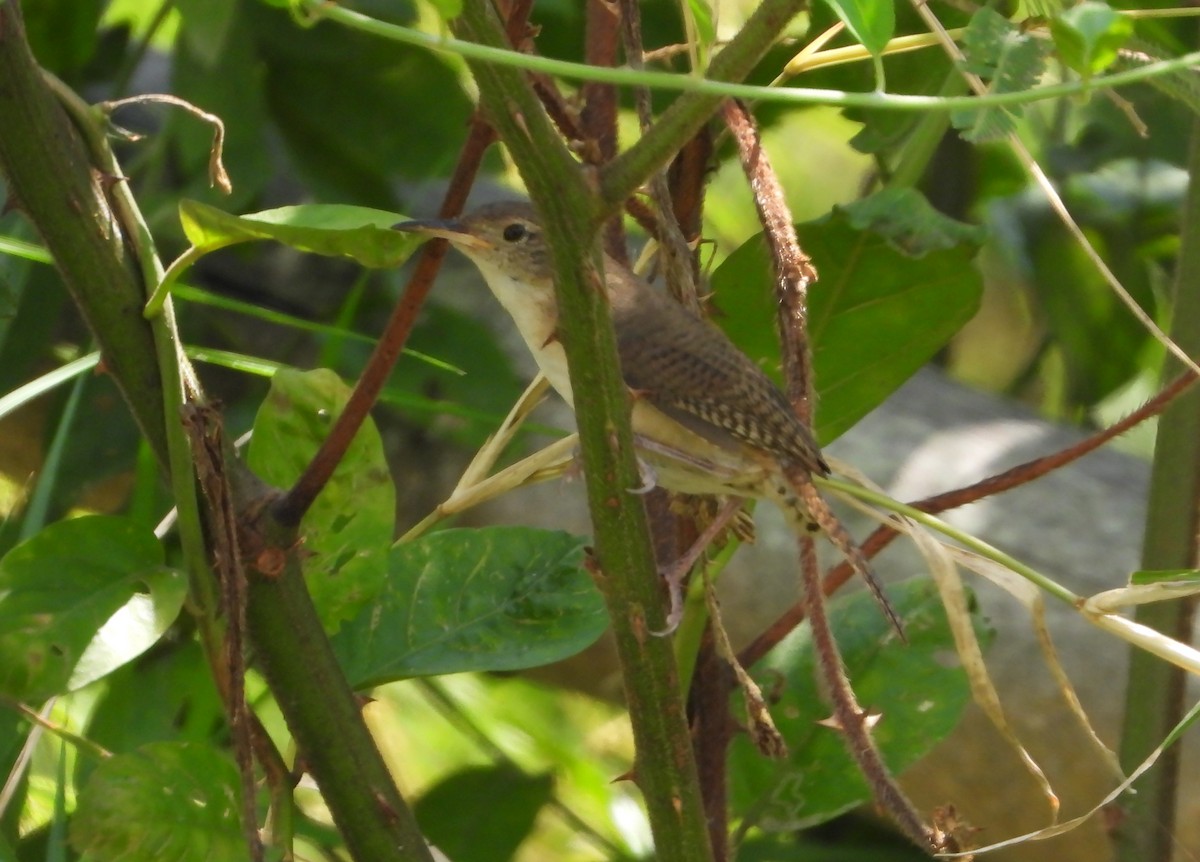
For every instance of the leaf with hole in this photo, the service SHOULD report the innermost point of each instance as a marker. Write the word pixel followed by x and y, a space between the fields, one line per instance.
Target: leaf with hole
pixel 349 528
pixel 497 598
pixel 78 600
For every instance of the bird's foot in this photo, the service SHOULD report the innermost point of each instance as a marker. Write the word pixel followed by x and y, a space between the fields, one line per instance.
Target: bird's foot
pixel 648 476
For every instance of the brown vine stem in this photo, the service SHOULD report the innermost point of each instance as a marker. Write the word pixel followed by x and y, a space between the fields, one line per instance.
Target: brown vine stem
pixel 1022 474
pixel 794 274
pixel 600 103
pixel 855 723
pixel 292 506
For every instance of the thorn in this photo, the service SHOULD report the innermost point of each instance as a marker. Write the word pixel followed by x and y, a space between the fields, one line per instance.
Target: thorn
pixel 107 180
pixel 867 718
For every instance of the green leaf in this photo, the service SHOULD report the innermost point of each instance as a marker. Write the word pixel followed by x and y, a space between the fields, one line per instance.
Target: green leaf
pixel 511 799
pixel 1089 36
pixel 1180 577
pixel 206 27
pixel 871 21
pixel 1100 341
pixel 165 802
pixel 356 111
pixel 62 33
pixel 498 598
pixel 918 692
pixel 79 599
pixel 216 67
pixel 168 695
pixel 909 222
pixel 447 9
pixel 349 528
pixel 997 51
pixel 359 233
pixel 875 316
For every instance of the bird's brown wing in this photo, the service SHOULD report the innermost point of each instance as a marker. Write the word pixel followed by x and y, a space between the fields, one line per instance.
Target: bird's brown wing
pixel 691 371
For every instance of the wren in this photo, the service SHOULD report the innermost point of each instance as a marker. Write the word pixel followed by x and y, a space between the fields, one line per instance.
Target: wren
pixel 705 417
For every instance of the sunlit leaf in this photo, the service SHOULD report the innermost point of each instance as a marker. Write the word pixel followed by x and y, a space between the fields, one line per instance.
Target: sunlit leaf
pixel 871 21
pixel 448 9
pixel 702 15
pixel 1089 35
pixel 359 233
pixel 875 316
pixel 79 599
pixel 1174 577
pixel 1011 60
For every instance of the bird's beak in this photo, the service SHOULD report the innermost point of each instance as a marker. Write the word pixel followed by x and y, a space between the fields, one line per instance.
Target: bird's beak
pixel 455 232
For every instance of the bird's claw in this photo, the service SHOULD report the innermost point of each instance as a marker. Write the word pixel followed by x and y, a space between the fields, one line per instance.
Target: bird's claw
pixel 648 476
pixel 674 579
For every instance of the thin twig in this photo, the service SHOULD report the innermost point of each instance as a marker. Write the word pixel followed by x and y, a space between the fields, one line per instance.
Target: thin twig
pixel 794 272
pixel 217 175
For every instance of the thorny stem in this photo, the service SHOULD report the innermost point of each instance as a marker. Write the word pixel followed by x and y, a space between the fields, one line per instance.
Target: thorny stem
pixel 854 723
pixel 793 275
pixel 624 562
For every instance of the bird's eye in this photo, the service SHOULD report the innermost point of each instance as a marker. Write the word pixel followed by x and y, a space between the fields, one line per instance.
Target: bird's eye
pixel 515 232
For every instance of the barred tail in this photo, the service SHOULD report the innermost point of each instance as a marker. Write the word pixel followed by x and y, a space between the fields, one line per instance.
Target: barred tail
pixel 807 510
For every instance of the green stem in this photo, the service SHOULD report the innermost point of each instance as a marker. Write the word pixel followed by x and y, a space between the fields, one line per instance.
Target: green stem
pixel 50 178
pixel 665 769
pixel 1154 691
pixel 325 717
pixel 173 367
pixel 716 88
